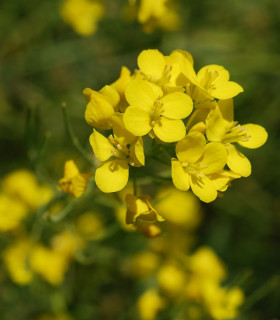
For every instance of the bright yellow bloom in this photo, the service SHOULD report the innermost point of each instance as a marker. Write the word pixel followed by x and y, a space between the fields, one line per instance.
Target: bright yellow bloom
pixel 140 209
pixel 178 207
pixel 73 182
pixel 50 264
pixel 101 107
pixel 149 304
pixel 22 185
pixel 171 279
pixel 222 303
pixel 16 261
pixel 150 111
pixel 113 173
pixel 12 212
pixel 210 82
pixel 157 13
pixel 227 132
pixel 82 15
pixel 205 264
pixel 196 162
pixel 162 70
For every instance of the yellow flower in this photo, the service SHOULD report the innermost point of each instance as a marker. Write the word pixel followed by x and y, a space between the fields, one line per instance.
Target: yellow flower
pixel 113 173
pixel 222 303
pixel 101 107
pixel 162 70
pixel 156 13
pixel 171 279
pixel 196 162
pixel 149 304
pixel 140 209
pixel 22 185
pixel 73 181
pixel 48 263
pixel 205 264
pixel 150 111
pixel 12 212
pixel 16 261
pixel 82 15
pixel 210 82
pixel 178 207
pixel 227 132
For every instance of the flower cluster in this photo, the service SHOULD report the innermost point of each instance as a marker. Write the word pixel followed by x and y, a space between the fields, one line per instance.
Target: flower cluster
pixel 169 109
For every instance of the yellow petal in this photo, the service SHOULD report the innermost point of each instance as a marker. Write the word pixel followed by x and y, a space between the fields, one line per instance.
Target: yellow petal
pixel 79 183
pixel 180 178
pixel 191 148
pixel 169 130
pixel 70 169
pixel 204 188
pixel 136 205
pixel 151 63
pixel 111 94
pixel 217 126
pixel 258 136
pixel 137 152
pixel 137 121
pixel 87 93
pixel 220 73
pixel 237 162
pixel 214 158
pixel 121 134
pixel 99 111
pixel 177 105
pixel 142 94
pixel 112 176
pixel 227 109
pixel 226 90
pixel 101 146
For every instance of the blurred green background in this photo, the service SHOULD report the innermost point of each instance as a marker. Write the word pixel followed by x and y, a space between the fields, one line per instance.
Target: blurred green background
pixel 43 63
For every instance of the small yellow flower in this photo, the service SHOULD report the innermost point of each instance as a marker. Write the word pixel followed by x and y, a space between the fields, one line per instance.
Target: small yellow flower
pixel 82 15
pixel 73 181
pixel 101 107
pixel 157 13
pixel 227 132
pixel 149 304
pixel 197 161
pixel 113 173
pixel 140 209
pixel 23 186
pixel 211 81
pixel 12 212
pixel 178 207
pixel 50 264
pixel 171 279
pixel 222 303
pixel 150 111
pixel 15 258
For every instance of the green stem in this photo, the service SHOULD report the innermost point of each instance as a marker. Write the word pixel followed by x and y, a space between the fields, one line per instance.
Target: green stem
pixel 72 136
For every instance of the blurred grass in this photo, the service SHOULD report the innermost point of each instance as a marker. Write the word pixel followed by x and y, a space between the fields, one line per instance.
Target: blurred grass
pixel 44 63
